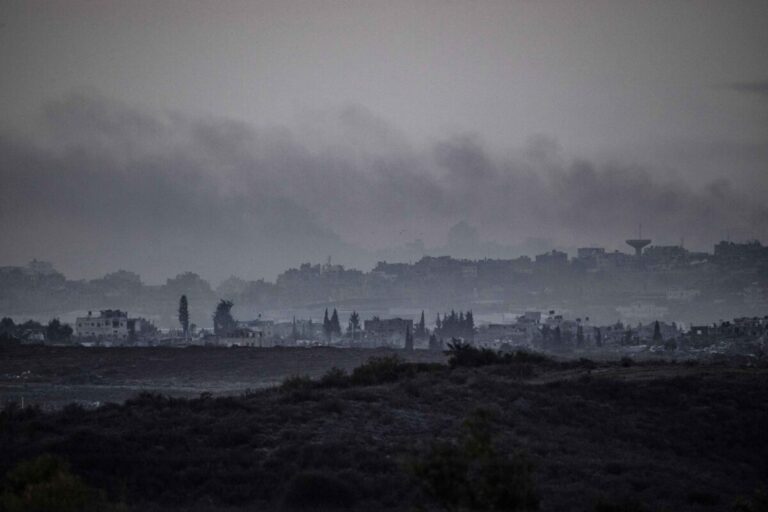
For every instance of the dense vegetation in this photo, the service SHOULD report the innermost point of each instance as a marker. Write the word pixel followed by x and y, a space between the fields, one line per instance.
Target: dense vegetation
pixel 487 432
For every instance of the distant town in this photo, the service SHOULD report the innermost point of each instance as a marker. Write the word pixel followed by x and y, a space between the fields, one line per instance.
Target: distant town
pixel 659 299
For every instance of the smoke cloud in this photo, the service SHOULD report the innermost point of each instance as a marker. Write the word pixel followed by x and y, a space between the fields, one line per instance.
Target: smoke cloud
pixel 112 186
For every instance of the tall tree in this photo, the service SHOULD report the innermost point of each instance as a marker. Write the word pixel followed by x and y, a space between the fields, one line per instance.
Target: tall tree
pixel 579 336
pixel 656 332
pixel 327 325
pixel 421 327
pixel 335 325
pixel 598 337
pixel 354 324
pixel 184 315
pixel 223 322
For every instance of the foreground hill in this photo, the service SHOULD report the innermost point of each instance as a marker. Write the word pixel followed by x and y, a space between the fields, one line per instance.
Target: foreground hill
pixel 393 436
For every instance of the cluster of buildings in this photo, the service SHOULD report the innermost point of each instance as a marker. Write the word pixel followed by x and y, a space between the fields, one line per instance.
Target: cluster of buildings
pixel 652 282
pixel 533 330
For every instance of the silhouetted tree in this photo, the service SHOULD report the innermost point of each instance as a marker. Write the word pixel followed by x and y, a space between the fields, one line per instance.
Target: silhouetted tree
pixel 558 338
pixel 421 327
pixel 598 337
pixel 223 322
pixel 408 338
pixel 656 332
pixel 579 336
pixel 354 324
pixel 56 331
pixel 184 315
pixel 335 325
pixel 327 325
pixel 456 325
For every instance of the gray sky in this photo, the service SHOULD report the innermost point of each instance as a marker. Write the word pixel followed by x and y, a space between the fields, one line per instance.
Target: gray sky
pixel 347 127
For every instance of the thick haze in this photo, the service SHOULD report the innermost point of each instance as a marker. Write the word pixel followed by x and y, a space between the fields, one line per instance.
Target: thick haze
pixel 243 138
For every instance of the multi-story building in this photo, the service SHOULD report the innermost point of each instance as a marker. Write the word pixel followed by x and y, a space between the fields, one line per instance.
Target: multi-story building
pixel 110 324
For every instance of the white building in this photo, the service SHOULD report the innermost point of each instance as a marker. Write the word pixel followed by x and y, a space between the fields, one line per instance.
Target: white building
pixel 111 324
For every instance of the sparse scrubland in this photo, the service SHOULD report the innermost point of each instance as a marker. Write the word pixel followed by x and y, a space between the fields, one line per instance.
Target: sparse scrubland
pixel 486 431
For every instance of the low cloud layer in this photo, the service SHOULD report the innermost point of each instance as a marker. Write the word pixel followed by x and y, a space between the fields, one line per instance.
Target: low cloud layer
pixel 113 186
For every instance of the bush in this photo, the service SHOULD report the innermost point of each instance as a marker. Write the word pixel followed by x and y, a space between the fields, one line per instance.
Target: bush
pixel 297 383
pixel 464 354
pixel 523 356
pixel 335 378
pixel 758 503
pixel 313 490
pixel 471 475
pixel 381 370
pixel 461 354
pixel 45 484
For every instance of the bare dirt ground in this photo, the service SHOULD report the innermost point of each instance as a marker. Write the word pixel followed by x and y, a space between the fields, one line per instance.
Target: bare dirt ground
pixel 52 377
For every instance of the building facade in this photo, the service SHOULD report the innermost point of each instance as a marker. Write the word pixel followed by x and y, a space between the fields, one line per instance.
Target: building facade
pixel 110 324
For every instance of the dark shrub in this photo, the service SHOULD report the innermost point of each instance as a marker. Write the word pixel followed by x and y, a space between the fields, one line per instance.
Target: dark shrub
pixel 45 484
pixel 472 475
pixel 523 356
pixel 462 354
pixel 335 378
pixel 627 361
pixel 313 490
pixel 758 503
pixel 297 383
pixel 380 370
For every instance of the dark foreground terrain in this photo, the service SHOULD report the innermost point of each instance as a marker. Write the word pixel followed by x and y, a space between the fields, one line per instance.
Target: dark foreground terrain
pixel 490 433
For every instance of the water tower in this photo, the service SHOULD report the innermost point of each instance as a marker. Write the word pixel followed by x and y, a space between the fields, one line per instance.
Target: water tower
pixel 638 244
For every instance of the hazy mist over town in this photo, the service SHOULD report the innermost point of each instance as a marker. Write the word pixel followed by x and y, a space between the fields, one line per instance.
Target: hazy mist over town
pixel 383 255
pixel 249 137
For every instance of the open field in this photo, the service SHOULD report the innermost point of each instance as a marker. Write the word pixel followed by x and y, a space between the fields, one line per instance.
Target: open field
pixel 600 436
pixel 54 376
